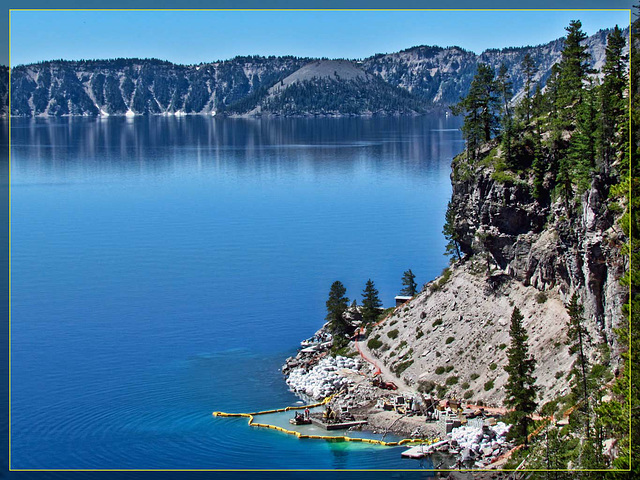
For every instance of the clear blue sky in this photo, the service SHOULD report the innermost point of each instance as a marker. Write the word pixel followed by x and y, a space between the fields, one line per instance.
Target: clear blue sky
pixel 204 36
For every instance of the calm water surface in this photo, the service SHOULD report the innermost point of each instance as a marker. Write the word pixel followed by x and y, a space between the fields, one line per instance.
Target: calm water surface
pixel 164 268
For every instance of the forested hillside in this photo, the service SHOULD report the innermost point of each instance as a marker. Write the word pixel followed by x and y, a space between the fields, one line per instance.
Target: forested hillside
pixel 408 82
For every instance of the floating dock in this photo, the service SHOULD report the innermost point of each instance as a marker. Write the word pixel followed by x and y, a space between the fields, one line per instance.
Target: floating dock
pixel 337 426
pixel 417 452
pixel 422 451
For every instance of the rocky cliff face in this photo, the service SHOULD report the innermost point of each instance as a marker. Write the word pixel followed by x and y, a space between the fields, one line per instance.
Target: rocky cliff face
pixel 519 252
pixel 405 82
pixel 545 244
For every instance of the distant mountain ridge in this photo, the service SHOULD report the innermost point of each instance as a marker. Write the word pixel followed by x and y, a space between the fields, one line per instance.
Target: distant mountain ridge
pixel 411 81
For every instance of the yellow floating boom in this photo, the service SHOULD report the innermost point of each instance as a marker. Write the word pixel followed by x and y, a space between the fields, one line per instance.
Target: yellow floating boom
pixel 330 438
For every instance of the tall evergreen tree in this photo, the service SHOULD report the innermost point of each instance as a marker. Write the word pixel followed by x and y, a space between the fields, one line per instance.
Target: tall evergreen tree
pixel 505 88
pixel 520 387
pixel 370 303
pixel 577 337
pixel 409 282
pixel 582 148
pixel 612 102
pixel 574 68
pixel 529 69
pixel 537 102
pixel 336 306
pixel 481 109
pixel 452 248
pixel 564 179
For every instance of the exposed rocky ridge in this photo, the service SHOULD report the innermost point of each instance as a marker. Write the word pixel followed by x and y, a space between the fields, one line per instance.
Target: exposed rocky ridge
pixel 443 75
pixel 429 77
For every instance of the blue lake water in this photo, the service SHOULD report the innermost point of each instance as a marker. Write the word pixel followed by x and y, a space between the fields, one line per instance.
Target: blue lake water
pixel 164 268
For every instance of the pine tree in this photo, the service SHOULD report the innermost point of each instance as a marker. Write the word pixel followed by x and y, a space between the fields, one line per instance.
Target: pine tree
pixel 529 69
pixel 336 306
pixel 452 248
pixel 539 168
pixel 520 387
pixel 582 148
pixel 564 179
pixel 612 102
pixel 481 108
pixel 505 87
pixel 577 336
pixel 574 68
pixel 370 303
pixel 410 286
pixel 537 102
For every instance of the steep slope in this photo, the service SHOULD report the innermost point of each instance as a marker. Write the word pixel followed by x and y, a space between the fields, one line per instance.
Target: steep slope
pixel 443 75
pixel 322 70
pixel 520 252
pixel 115 87
pixel 453 337
pixel 336 87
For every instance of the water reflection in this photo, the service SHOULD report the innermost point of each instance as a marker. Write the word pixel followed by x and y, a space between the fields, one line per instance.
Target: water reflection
pixel 60 146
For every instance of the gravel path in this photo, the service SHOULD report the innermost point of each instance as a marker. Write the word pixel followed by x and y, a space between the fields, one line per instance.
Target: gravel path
pixel 380 367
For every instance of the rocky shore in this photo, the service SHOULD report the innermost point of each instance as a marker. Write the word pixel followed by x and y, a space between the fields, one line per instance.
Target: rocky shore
pixel 472 435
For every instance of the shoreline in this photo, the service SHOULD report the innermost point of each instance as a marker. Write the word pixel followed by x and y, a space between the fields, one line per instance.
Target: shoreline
pixel 359 393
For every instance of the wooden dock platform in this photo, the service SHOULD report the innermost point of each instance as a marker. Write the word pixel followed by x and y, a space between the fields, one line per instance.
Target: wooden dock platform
pixel 417 452
pixel 337 426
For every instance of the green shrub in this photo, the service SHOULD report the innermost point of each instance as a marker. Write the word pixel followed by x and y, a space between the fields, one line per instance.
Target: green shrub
pixel 468 394
pixel 493 366
pixel 401 367
pixel 474 376
pixel 541 297
pixel 436 323
pixel 426 386
pixel 559 375
pixel 451 380
pixel 448 368
pixel 393 334
pixel 488 385
pixel 439 370
pixel 374 344
pixel 444 278
pixel 449 340
pixel 465 385
pixel 503 177
pixel 502 346
pixel 441 390
pixel 368 330
pixel 419 334
pixel 346 352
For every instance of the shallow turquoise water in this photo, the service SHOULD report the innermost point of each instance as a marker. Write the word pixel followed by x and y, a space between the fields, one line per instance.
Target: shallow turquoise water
pixel 164 268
